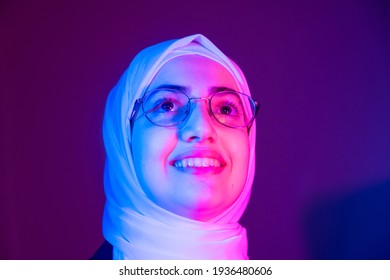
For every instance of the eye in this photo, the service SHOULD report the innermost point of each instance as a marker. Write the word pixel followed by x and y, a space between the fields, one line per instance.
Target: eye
pixel 227 104
pixel 167 106
pixel 164 102
pixel 228 109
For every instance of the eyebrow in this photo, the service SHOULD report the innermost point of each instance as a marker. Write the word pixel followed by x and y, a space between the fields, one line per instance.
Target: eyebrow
pixel 173 87
pixel 220 89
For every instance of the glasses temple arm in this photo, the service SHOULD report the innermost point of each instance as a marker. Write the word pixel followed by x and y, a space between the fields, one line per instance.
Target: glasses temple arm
pixel 134 114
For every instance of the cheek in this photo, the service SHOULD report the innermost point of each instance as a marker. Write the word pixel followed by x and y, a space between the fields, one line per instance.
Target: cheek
pixel 158 146
pixel 239 152
pixel 151 148
pixel 152 143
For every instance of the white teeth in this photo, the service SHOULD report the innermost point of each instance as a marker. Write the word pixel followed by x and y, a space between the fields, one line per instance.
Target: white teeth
pixel 197 162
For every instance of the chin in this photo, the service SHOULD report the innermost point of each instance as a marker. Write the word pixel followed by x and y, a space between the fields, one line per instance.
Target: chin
pixel 202 210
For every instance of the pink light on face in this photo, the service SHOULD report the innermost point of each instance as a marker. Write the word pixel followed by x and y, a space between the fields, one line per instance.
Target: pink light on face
pixel 199 168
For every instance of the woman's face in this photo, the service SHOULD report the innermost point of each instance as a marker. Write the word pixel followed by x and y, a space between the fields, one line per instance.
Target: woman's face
pixel 200 190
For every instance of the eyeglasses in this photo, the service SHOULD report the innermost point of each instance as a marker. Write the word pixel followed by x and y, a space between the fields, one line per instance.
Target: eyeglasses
pixel 170 107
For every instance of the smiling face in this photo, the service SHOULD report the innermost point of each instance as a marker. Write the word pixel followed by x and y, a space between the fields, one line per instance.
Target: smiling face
pixel 198 168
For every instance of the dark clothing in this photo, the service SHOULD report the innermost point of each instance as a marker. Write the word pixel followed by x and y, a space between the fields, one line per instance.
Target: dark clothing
pixel 104 252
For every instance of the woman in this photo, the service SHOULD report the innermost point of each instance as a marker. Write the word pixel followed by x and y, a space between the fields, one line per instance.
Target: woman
pixel 180 141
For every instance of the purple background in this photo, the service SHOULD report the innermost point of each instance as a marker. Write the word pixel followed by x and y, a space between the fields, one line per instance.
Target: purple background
pixel 320 70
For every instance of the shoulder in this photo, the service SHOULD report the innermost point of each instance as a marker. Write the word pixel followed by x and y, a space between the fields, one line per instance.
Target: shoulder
pixel 104 252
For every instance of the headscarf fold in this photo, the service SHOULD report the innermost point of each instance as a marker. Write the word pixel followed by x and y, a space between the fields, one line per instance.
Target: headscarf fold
pixel 137 227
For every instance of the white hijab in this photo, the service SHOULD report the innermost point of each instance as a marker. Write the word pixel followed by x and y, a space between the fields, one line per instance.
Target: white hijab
pixel 135 226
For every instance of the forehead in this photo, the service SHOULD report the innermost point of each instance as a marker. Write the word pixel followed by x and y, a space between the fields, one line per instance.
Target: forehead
pixel 194 71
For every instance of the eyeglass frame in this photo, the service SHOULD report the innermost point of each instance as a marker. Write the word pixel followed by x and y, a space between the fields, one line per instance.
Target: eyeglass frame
pixel 139 103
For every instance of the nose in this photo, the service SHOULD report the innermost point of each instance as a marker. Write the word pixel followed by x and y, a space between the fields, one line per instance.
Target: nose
pixel 199 126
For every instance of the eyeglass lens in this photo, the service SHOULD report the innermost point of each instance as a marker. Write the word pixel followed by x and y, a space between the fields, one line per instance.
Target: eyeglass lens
pixel 169 107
